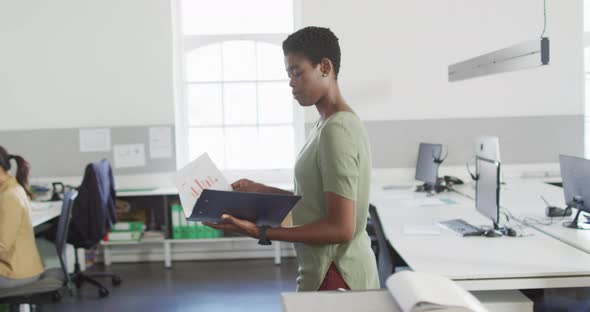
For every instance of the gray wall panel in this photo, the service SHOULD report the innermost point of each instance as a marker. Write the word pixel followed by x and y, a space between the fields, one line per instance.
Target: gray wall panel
pixel 56 152
pixel 522 139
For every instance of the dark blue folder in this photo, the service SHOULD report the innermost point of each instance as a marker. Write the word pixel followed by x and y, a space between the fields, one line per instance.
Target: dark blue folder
pixel 262 209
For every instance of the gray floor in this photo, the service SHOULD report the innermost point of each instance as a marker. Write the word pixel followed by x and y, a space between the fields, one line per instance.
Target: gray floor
pixel 237 285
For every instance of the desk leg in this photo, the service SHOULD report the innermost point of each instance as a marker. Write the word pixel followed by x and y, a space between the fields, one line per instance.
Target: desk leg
pixel 277 245
pixel 82 256
pixel 168 231
pixel 107 255
pixel 167 255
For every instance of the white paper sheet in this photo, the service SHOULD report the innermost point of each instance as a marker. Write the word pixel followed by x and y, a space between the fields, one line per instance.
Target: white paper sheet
pixel 401 195
pixel 129 155
pixel 421 229
pixel 397 187
pixel 423 202
pixel 195 177
pixel 95 140
pixel 160 142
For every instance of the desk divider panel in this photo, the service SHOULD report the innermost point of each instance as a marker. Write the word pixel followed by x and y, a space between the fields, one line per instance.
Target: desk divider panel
pixel 523 140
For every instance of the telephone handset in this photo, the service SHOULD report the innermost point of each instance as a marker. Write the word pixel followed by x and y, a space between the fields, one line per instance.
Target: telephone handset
pixel 451 180
pixel 58 191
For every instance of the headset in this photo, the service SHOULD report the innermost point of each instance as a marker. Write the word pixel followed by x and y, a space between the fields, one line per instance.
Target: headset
pixel 439 160
pixel 552 211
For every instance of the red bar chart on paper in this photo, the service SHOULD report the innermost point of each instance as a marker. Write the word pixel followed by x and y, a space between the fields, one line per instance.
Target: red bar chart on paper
pixel 198 175
pixel 198 186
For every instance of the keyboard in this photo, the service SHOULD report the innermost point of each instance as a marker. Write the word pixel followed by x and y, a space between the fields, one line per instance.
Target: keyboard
pixel 461 227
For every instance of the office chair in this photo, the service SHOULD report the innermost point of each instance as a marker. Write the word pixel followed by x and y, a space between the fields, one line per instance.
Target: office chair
pixel 371 232
pixel 387 257
pixel 53 281
pixel 94 213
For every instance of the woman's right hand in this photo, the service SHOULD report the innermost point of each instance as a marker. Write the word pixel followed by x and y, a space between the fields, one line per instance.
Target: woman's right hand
pixel 248 186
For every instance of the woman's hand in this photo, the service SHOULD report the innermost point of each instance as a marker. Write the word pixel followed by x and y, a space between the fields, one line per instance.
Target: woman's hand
pixel 248 186
pixel 236 225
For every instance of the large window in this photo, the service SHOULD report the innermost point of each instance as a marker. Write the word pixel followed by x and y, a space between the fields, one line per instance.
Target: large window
pixel 234 97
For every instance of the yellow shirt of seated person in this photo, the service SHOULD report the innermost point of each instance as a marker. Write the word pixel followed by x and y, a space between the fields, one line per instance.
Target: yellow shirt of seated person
pixel 19 257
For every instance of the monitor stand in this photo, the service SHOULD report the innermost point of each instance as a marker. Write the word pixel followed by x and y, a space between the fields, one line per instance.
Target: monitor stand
pixel 492 233
pixel 439 187
pixel 495 231
pixel 576 224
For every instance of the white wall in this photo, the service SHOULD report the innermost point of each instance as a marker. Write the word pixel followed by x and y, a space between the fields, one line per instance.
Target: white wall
pixel 396 53
pixel 85 63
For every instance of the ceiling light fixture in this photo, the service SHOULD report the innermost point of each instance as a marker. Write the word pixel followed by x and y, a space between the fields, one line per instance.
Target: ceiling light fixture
pixel 524 55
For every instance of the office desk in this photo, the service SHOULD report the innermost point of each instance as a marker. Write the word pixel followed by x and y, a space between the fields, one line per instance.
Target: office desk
pixel 156 191
pixel 522 198
pixel 367 301
pixel 42 212
pixel 476 263
pixel 382 301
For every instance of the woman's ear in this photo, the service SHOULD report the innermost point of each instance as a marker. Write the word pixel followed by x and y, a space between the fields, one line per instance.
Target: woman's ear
pixel 325 67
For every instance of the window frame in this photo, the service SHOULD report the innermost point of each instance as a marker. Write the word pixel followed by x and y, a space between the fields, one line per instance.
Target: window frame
pixel 181 45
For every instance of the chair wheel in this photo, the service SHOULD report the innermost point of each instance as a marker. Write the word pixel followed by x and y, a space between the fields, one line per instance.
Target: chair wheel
pixel 103 292
pixel 117 280
pixel 56 296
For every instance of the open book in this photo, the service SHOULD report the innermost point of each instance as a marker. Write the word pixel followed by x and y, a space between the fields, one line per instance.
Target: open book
pixel 415 291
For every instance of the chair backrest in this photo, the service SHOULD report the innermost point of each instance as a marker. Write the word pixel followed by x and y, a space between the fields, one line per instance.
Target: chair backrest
pixel 385 258
pixel 63 226
pixel 95 210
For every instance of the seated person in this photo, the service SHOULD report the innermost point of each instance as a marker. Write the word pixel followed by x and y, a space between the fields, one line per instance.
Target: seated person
pixel 20 262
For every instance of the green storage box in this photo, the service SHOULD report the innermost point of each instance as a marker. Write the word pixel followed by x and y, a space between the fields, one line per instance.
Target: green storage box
pixel 128 226
pixel 183 229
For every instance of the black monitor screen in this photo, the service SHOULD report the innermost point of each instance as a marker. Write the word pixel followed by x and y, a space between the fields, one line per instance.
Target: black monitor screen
pixel 575 173
pixel 487 188
pixel 426 167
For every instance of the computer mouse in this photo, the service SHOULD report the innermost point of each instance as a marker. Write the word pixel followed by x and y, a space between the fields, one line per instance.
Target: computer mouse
pixel 510 232
pixel 491 233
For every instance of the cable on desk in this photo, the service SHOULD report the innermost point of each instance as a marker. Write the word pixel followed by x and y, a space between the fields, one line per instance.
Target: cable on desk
pixel 508 215
pixel 463 194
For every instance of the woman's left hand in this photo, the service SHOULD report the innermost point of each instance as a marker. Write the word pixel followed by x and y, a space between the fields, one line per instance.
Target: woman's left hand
pixel 236 225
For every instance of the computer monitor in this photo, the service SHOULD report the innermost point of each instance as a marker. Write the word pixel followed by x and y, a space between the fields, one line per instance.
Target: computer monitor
pixel 487 189
pixel 575 175
pixel 428 162
pixel 488 147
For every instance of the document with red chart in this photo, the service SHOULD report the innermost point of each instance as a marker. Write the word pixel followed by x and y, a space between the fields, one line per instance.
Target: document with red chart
pixel 199 175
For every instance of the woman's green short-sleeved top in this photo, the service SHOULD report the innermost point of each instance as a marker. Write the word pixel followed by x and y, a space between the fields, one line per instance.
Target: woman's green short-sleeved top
pixel 336 158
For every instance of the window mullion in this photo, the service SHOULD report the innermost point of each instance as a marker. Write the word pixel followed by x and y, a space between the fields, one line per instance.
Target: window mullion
pixel 223 125
pixel 256 85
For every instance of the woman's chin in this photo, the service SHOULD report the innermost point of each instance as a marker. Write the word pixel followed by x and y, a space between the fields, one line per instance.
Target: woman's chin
pixel 304 103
